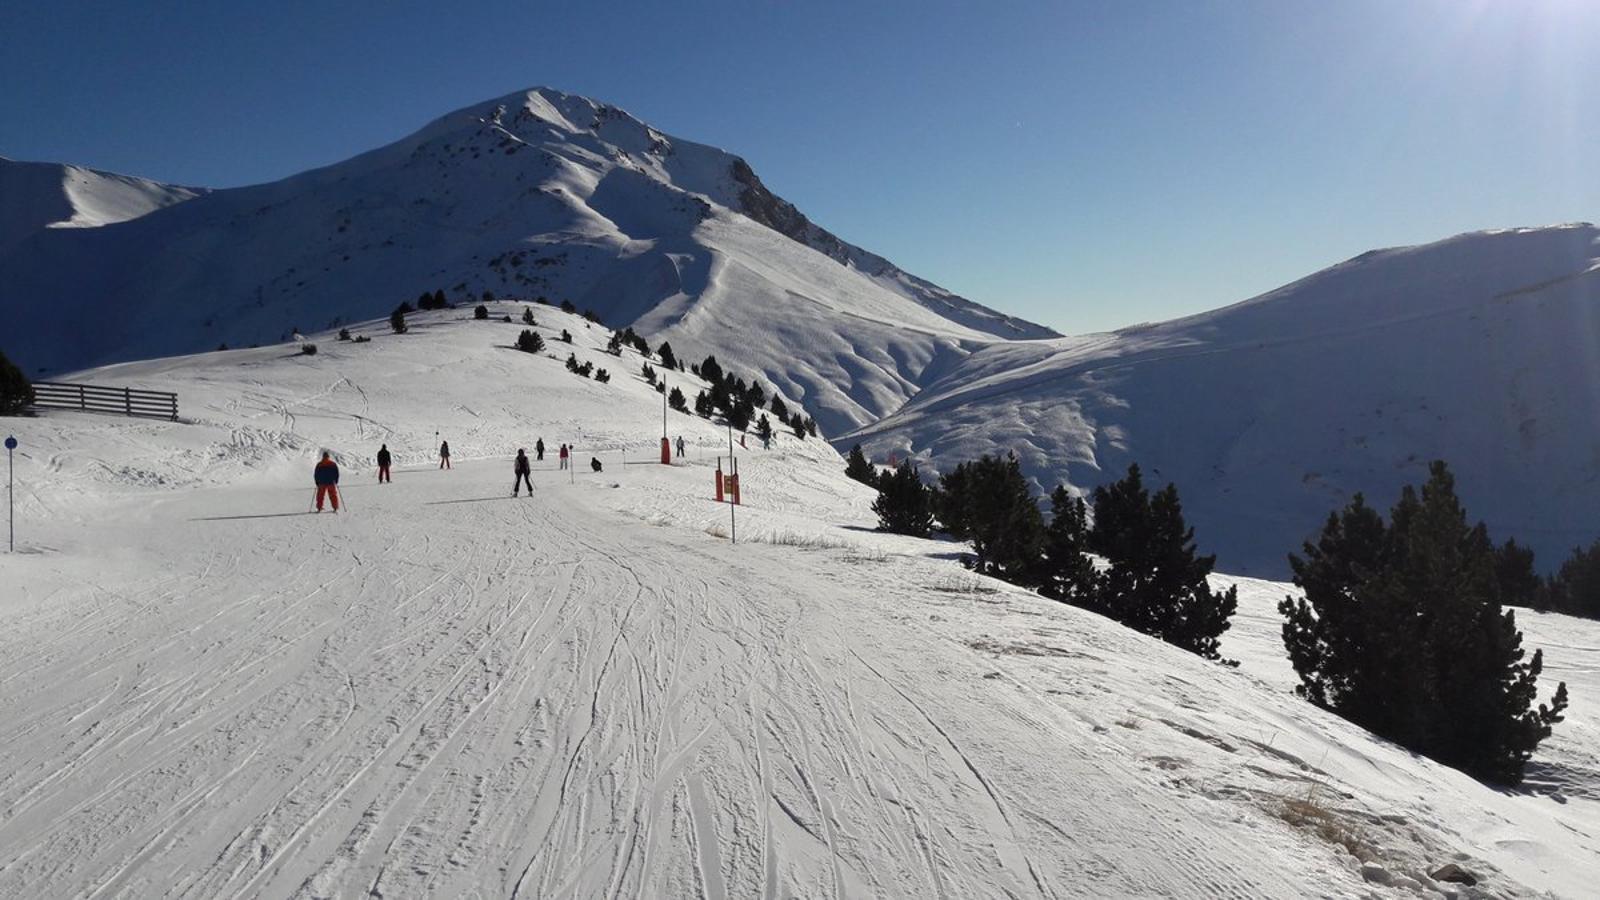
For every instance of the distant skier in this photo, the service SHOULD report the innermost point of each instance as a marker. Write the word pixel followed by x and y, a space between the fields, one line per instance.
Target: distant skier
pixel 538 449
pixel 766 440
pixel 444 455
pixel 741 441
pixel 680 445
pixel 563 454
pixel 383 464
pixel 326 475
pixel 522 467
pixel 594 463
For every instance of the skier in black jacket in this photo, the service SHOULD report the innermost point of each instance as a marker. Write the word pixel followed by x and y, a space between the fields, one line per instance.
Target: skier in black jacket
pixel 383 464
pixel 522 467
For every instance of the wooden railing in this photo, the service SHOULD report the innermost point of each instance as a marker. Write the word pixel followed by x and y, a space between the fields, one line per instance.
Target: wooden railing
pixel 94 398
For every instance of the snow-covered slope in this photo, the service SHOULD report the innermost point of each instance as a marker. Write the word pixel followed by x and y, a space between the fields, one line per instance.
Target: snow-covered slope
pixel 1483 350
pixel 535 194
pixel 35 196
pixel 446 692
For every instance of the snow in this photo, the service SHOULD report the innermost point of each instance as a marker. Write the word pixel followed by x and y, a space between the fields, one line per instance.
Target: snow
pixel 35 196
pixel 1482 350
pixel 445 691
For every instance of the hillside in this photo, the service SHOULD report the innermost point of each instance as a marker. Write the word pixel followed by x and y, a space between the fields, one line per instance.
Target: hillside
pixel 36 196
pixel 1483 350
pixel 535 194
pixel 444 691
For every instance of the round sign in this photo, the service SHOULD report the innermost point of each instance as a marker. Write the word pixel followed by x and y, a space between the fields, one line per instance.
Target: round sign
pixel 11 443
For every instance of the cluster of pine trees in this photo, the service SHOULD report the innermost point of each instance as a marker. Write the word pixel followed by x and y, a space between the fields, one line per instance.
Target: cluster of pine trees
pixel 436 300
pixel 739 403
pixel 1152 579
pixel 1403 631
pixel 1575 588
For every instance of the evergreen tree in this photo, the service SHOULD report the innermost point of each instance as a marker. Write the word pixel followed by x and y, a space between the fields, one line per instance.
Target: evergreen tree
pixel 566 336
pixel 668 359
pixel 439 302
pixel 857 467
pixel 811 426
pixel 424 300
pixel 16 394
pixel 481 312
pixel 1575 589
pixel 1402 631
pixel 397 321
pixel 1154 582
pixel 648 372
pixel 711 371
pixel 702 405
pixel 779 408
pixel 1003 521
pixel 602 376
pixel 614 346
pixel 572 362
pixel 567 307
pixel 527 316
pixel 739 412
pixel 798 423
pixel 344 334
pixel 949 502
pixel 1519 583
pixel 1068 574
pixel 529 341
pixel 676 401
pixel 903 503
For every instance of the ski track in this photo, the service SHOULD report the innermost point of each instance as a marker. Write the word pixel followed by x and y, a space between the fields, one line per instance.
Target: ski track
pixel 520 698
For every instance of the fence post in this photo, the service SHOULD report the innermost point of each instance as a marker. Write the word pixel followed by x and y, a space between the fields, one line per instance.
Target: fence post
pixel 127 400
pixel 83 403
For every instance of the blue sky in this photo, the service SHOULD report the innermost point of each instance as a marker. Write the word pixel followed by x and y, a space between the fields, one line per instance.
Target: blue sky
pixel 1086 165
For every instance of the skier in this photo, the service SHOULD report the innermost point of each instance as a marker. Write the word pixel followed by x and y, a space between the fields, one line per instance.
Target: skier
pixel 594 463
pixel 383 464
pixel 563 453
pixel 444 455
pixel 680 445
pixel 326 475
pixel 538 449
pixel 522 467
pixel 766 440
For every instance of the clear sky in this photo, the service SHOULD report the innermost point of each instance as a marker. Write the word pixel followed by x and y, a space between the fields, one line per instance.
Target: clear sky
pixel 1085 165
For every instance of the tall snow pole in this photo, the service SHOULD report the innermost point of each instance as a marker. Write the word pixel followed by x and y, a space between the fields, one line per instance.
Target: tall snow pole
pixel 666 445
pixel 11 490
pixel 733 522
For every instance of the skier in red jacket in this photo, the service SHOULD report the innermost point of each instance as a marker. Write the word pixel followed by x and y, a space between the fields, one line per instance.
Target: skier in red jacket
pixel 326 475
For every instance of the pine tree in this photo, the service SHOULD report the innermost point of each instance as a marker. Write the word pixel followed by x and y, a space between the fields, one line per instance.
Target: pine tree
pixel 798 423
pixel 648 372
pixel 1068 574
pixel 1154 582
pixel 566 336
pixel 668 359
pixel 527 316
pixel 1520 585
pixel 397 321
pixel 344 334
pixel 529 341
pixel 779 408
pixel 16 394
pixel 950 501
pixel 567 307
pixel 857 467
pixel 903 503
pixel 480 312
pixel 572 362
pixel 703 405
pixel 1575 589
pixel 1402 631
pixel 614 346
pixel 1001 519
pixel 439 302
pixel 711 371
pixel 756 396
pixel 676 401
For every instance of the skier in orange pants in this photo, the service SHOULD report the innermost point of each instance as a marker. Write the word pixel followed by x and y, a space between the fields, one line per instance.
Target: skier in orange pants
pixel 327 478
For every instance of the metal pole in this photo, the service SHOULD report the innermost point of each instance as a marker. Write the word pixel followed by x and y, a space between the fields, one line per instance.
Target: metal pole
pixel 733 520
pixel 11 491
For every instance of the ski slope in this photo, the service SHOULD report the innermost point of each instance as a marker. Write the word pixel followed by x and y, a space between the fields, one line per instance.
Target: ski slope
pixel 445 691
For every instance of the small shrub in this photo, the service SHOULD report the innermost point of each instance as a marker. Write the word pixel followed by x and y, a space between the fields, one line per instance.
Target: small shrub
pixel 566 336
pixel 602 376
pixel 527 317
pixel 16 394
pixel 308 349
pixel 361 339
pixel 397 320
pixel 567 307
pixel 481 312
pixel 344 334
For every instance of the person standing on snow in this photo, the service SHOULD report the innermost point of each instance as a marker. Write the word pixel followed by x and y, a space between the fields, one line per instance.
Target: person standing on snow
pixel 383 464
pixel 538 449
pixel 563 454
pixel 444 455
pixel 326 475
pixel 680 445
pixel 522 467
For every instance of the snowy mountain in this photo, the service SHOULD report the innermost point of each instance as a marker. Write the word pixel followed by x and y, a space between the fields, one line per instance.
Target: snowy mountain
pixel 1483 350
pixel 538 193
pixel 443 691
pixel 36 196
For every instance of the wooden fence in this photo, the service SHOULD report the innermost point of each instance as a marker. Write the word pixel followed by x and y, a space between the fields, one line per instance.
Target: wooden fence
pixel 94 398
